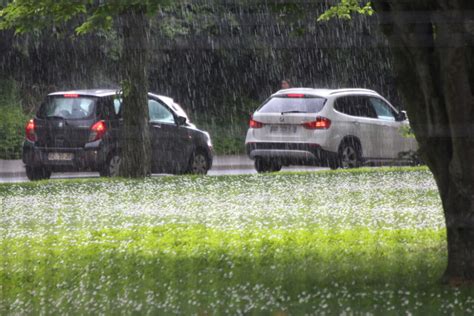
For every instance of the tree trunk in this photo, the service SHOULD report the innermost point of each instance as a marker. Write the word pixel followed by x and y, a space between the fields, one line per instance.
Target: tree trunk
pixel 458 203
pixel 135 146
pixel 431 61
pixel 460 235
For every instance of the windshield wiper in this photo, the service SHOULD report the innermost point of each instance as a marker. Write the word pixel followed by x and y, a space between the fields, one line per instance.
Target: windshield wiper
pixel 294 111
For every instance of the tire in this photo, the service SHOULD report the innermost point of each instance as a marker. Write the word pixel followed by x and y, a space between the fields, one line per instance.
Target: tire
pixel 349 155
pixel 198 163
pixel 37 173
pixel 416 160
pixel 276 166
pixel 112 167
pixel 264 165
pixel 333 162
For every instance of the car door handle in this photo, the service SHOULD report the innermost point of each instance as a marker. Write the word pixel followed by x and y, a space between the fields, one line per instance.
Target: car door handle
pixel 157 125
pixel 355 123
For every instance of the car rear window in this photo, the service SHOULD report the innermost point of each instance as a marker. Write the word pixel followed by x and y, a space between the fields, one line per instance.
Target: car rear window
pixel 287 104
pixel 70 107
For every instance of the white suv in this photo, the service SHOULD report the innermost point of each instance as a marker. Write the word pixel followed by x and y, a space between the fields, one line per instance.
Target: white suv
pixel 335 128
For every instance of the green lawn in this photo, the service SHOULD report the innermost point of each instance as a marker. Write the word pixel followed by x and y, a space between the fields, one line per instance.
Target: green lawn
pixel 370 241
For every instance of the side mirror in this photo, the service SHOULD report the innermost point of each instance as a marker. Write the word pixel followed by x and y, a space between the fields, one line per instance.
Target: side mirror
pixel 180 120
pixel 402 116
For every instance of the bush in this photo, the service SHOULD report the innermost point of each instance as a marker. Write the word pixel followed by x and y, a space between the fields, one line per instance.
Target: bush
pixel 228 126
pixel 12 122
pixel 227 138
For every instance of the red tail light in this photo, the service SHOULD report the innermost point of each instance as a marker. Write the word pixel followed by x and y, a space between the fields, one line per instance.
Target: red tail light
pixel 97 131
pixel 255 124
pixel 320 123
pixel 71 95
pixel 30 130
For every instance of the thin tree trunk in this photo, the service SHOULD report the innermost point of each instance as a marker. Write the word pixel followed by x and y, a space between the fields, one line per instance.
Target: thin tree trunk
pixel 136 150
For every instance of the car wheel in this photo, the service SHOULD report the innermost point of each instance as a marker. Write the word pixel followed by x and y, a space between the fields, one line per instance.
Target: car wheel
pixel 198 163
pixel 112 167
pixel 264 165
pixel 37 173
pixel 276 166
pixel 333 163
pixel 349 155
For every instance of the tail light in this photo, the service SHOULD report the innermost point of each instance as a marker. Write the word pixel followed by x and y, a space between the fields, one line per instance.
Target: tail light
pixel 97 131
pixel 30 130
pixel 255 124
pixel 320 123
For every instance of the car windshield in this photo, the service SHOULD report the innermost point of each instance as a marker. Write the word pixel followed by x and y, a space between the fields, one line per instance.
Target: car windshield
pixel 293 105
pixel 67 107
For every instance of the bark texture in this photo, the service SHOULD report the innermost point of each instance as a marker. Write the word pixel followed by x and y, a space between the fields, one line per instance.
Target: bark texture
pixel 135 148
pixel 433 59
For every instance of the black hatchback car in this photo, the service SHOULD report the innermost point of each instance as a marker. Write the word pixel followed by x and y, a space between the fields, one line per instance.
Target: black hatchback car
pixel 80 131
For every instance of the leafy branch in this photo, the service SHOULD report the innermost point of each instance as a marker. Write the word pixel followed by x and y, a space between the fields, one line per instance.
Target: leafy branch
pixel 345 9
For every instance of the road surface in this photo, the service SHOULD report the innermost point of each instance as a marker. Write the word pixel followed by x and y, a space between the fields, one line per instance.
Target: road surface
pixel 14 171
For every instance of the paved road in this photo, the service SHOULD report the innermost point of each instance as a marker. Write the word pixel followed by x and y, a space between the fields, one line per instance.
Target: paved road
pixel 14 171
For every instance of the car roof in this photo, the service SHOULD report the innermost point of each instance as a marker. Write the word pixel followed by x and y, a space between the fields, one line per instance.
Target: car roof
pixel 325 93
pixel 107 92
pixel 100 93
pixel 90 92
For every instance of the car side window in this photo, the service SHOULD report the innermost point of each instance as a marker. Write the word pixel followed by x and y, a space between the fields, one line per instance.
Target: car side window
pixel 159 113
pixel 342 105
pixel 355 106
pixel 117 106
pixel 383 110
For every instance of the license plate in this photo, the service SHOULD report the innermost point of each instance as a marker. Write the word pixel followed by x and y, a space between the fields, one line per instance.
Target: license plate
pixel 285 129
pixel 60 156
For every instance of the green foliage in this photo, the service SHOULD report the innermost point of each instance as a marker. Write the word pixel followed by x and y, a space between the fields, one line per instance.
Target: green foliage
pixel 126 87
pixel 198 18
pixel 227 141
pixel 227 135
pixel 28 15
pixel 228 125
pixel 407 131
pixel 345 9
pixel 12 122
pixel 102 16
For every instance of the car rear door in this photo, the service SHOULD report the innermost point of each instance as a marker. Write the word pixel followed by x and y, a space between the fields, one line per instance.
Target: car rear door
pixel 358 120
pixel 109 110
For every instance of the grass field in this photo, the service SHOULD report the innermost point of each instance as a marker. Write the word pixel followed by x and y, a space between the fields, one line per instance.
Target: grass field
pixel 369 241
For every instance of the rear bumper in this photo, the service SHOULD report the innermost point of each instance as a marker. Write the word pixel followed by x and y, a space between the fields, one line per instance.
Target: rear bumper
pixel 91 157
pixel 291 153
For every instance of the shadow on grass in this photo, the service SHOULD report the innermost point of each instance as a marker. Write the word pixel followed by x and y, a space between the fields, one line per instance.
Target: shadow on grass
pixel 194 269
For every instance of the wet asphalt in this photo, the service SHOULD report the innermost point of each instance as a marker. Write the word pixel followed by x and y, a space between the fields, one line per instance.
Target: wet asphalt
pixel 12 171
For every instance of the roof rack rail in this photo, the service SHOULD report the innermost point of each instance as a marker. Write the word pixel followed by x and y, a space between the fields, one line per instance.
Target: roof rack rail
pixel 352 90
